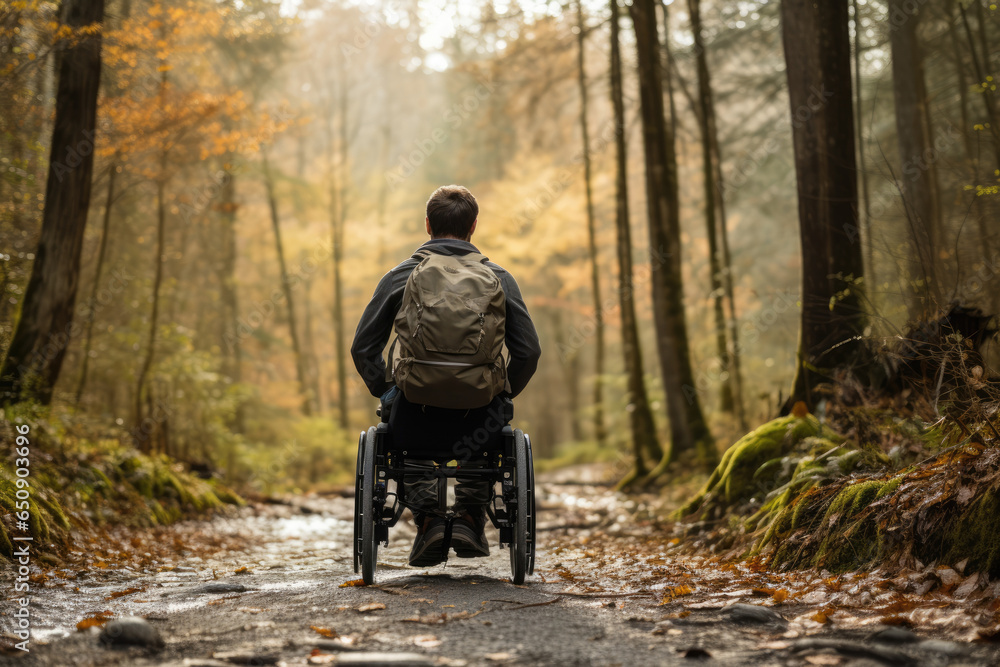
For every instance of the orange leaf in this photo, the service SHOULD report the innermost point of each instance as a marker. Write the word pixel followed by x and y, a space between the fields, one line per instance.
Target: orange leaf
pixel 353 582
pixel 96 620
pixel 127 591
pixel 325 632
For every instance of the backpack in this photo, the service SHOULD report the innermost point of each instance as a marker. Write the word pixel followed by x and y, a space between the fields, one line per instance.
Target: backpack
pixel 450 331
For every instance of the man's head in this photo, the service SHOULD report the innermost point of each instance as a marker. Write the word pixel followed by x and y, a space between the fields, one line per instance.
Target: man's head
pixel 451 213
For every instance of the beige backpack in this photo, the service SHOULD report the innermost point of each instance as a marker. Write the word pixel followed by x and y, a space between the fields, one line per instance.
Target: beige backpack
pixel 450 331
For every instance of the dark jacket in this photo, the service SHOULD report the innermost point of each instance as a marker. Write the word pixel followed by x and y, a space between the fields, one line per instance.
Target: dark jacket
pixel 375 327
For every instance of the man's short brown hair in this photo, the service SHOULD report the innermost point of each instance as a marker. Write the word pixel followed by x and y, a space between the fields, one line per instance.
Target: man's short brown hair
pixel 451 211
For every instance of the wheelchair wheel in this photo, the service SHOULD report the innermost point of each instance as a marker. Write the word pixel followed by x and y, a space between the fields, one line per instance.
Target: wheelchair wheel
pixel 531 507
pixel 522 518
pixel 369 546
pixel 358 502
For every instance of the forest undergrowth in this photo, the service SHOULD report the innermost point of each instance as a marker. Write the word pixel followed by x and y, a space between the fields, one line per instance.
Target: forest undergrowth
pixel 84 484
pixel 896 468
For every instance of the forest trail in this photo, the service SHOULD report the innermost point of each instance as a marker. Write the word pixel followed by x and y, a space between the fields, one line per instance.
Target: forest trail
pixel 605 592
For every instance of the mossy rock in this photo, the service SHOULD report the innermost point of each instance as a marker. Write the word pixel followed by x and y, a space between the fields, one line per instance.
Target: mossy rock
pixel 748 464
pixel 853 537
pixel 974 534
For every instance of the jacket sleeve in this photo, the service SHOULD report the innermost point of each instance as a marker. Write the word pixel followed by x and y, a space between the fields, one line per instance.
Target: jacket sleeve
pixel 373 333
pixel 521 338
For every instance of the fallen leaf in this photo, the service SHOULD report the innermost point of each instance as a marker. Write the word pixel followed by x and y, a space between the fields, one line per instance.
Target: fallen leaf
pixel 127 591
pixel 95 621
pixel 900 621
pixel 820 617
pixel 675 592
pixel 243 570
pixel 353 582
pixel 780 595
pixel 324 632
pixel 426 641
pixel 371 606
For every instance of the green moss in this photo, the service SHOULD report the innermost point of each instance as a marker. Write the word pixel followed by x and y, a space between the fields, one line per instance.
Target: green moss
pixel 747 464
pixel 6 546
pixel 974 534
pixel 226 495
pixel 51 506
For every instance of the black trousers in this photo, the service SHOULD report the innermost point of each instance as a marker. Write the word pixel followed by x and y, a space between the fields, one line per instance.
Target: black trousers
pixel 431 435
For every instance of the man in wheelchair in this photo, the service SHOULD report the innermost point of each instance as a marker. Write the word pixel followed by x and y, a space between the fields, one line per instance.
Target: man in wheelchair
pixel 447 391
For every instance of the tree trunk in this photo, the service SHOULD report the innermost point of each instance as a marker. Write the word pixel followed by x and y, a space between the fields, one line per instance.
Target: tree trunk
pixel 92 303
pixel 641 421
pixel 312 363
pixel 147 363
pixel 818 62
pixel 689 432
pixel 286 286
pixel 721 279
pixel 962 83
pixel 232 343
pixel 383 198
pixel 981 67
pixel 338 219
pixel 600 430
pixel 865 233
pixel 916 180
pixel 45 328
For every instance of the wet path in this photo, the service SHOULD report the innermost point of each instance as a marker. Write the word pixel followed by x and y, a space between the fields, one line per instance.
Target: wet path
pixel 606 592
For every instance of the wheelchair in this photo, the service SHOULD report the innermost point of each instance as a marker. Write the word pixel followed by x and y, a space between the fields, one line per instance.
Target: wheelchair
pixel 380 494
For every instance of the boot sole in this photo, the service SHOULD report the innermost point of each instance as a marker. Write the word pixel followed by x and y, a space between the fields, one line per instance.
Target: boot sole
pixel 467 547
pixel 430 555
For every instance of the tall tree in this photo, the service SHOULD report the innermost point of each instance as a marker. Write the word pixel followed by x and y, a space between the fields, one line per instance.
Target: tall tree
pixel 227 208
pixel 916 181
pixel 866 236
pixel 286 286
pixel 689 434
pixel 715 220
pixel 92 302
pixel 38 346
pixel 980 65
pixel 337 185
pixel 818 58
pixel 600 430
pixel 641 422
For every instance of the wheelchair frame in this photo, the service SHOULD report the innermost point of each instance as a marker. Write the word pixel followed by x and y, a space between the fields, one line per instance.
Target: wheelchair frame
pixel 376 509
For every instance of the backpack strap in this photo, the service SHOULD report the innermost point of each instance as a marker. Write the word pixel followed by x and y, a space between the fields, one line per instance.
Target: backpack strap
pixel 388 366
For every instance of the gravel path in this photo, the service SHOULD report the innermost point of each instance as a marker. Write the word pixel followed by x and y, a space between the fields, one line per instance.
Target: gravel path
pixel 606 592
